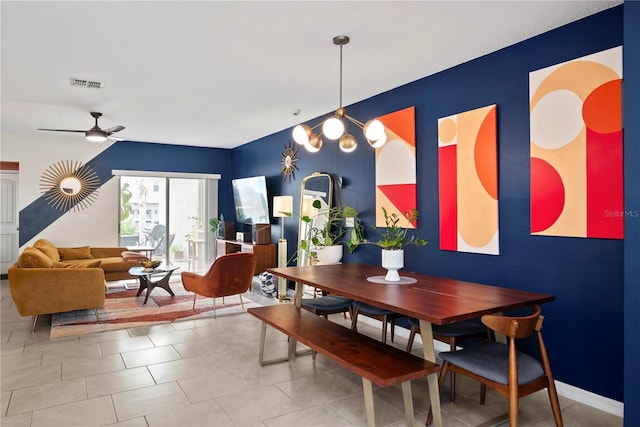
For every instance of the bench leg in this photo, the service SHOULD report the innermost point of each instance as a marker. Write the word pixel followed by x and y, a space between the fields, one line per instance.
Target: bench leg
pixel 368 401
pixel 263 333
pixel 408 402
pixel 434 393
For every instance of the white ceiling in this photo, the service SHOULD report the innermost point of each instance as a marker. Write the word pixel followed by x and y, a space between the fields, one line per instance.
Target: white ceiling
pixel 221 74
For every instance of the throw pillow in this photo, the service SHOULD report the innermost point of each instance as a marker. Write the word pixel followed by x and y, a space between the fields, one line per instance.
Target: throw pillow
pixel 133 256
pixel 33 258
pixel 83 252
pixel 47 248
pixel 86 264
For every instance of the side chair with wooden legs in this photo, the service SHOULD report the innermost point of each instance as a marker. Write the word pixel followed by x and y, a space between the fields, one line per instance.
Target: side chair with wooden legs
pixel 510 372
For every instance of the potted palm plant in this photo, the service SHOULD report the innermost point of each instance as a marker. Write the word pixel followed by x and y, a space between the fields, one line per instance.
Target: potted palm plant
pixel 393 240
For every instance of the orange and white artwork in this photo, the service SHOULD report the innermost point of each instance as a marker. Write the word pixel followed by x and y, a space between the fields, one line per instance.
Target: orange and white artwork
pixel 576 147
pixel 396 166
pixel 468 181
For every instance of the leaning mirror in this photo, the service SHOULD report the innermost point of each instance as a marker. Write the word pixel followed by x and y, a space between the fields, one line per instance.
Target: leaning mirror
pixel 317 186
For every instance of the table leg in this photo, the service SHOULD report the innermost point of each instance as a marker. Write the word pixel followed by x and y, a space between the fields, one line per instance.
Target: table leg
pixel 429 354
pixel 145 282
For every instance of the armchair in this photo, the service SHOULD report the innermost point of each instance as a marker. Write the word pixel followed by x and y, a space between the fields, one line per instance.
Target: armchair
pixel 230 274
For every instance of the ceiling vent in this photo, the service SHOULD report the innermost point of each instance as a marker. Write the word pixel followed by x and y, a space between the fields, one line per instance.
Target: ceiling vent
pixel 91 84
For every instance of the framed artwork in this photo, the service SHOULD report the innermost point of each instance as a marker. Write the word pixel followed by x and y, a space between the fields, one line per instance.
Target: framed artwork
pixel 576 147
pixel 396 166
pixel 468 181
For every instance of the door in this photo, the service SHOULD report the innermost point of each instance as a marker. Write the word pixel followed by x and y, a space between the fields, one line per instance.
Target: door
pixel 8 219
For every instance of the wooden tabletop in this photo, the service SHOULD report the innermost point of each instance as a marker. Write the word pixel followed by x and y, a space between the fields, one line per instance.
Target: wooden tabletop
pixel 436 299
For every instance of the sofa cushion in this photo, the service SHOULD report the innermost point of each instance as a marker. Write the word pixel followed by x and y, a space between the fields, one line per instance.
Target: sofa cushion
pixel 33 258
pixel 47 248
pixel 83 264
pixel 114 264
pixel 83 252
pixel 133 256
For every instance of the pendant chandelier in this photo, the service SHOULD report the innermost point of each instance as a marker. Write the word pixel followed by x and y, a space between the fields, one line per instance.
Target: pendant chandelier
pixel 333 128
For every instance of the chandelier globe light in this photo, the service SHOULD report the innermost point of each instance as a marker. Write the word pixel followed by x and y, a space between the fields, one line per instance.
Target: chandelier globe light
pixel 334 127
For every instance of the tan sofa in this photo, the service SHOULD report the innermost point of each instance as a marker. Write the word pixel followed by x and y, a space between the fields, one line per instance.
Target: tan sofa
pixel 46 279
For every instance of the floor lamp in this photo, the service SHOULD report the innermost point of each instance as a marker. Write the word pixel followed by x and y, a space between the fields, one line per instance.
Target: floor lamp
pixel 282 207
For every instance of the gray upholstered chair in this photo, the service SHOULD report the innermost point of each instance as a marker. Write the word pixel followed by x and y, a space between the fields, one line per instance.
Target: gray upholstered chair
pixel 381 314
pixel 510 372
pixel 326 305
pixel 452 334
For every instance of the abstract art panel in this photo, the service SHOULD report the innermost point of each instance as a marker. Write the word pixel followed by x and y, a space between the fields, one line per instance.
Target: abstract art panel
pixel 576 147
pixel 468 181
pixel 396 166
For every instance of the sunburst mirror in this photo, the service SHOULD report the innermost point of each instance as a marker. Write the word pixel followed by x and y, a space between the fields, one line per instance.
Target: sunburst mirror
pixel 288 162
pixel 67 185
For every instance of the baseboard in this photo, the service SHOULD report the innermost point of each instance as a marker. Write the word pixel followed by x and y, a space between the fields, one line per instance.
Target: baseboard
pixel 588 398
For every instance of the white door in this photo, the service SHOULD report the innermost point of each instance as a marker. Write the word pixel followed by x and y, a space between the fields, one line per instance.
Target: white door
pixel 8 219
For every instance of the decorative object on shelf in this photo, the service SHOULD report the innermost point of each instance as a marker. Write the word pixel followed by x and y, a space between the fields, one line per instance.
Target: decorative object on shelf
pixel 282 207
pixel 334 128
pixel 222 229
pixel 288 162
pixel 69 185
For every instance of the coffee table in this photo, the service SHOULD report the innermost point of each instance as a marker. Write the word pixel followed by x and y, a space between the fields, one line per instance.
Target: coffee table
pixel 144 276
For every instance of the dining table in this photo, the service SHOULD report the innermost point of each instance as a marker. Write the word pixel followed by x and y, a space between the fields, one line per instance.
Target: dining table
pixel 431 299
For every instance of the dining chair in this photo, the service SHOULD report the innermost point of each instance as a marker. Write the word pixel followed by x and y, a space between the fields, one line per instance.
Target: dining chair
pixel 230 274
pixel 510 372
pixel 381 314
pixel 452 334
pixel 326 305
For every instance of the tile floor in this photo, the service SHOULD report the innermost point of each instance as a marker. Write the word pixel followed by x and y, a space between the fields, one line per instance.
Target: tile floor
pixel 206 373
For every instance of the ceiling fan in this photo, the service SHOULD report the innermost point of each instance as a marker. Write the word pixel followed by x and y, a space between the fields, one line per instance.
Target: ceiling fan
pixel 95 134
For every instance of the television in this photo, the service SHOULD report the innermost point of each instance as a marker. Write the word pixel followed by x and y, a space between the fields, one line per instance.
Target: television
pixel 250 199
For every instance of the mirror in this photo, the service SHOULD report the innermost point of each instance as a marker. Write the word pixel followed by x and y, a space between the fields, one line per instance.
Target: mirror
pixel 317 186
pixel 70 185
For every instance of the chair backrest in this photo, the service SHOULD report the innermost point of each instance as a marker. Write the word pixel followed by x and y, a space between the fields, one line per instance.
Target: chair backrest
pixel 231 274
pixel 515 327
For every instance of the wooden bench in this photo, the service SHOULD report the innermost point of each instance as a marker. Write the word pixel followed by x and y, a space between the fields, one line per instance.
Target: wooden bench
pixel 374 361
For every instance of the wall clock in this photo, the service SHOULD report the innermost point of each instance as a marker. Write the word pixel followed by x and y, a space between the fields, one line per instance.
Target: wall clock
pixel 288 162
pixel 67 185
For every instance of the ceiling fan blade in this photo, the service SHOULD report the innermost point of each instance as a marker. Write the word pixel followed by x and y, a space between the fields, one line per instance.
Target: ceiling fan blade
pixel 64 130
pixel 114 129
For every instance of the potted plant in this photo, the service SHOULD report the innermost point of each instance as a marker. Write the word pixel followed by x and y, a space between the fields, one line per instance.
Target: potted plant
pixel 177 252
pixel 324 244
pixel 222 229
pixel 393 240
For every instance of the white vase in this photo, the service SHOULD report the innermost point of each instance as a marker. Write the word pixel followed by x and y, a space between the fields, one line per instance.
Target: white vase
pixel 392 260
pixel 329 254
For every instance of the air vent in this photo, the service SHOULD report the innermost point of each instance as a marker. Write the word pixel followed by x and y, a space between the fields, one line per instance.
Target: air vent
pixel 91 84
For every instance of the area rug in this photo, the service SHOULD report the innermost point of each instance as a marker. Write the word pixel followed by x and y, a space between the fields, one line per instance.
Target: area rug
pixel 123 310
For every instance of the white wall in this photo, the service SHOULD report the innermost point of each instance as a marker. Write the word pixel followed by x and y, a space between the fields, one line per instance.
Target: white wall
pixel 95 226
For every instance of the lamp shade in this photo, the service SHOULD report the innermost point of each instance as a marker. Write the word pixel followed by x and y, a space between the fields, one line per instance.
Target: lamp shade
pixel 282 205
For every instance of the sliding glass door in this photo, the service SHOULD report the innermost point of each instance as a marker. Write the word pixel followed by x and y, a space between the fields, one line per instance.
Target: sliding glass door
pixel 169 216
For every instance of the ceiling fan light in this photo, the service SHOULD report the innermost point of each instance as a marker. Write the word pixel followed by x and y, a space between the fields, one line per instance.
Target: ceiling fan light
pixel 314 144
pixel 333 128
pixel 378 143
pixel 348 143
pixel 94 136
pixel 373 130
pixel 301 134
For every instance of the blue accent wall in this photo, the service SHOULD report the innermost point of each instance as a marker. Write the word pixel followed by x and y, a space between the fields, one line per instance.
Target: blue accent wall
pixel 632 201
pixel 584 326
pixel 137 156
